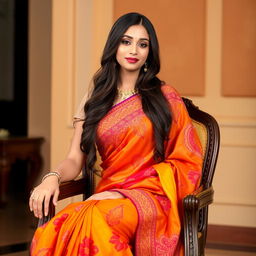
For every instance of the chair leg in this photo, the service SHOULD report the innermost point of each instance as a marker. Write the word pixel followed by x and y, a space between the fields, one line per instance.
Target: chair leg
pixel 191 233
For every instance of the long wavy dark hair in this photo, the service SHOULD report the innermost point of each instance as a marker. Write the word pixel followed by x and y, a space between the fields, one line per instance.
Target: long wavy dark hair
pixel 104 92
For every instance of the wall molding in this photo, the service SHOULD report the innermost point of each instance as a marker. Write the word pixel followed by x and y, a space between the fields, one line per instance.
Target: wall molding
pixel 231 238
pixel 234 204
pixel 227 145
pixel 236 121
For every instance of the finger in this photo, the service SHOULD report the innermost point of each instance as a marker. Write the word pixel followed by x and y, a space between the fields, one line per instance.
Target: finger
pixel 31 198
pixel 31 202
pixel 55 197
pixel 34 205
pixel 40 201
pixel 46 204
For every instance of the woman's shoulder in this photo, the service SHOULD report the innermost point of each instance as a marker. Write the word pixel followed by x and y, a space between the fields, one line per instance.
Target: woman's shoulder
pixel 177 105
pixel 171 93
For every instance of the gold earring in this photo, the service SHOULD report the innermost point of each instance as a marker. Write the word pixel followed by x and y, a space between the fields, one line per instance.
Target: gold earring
pixel 145 67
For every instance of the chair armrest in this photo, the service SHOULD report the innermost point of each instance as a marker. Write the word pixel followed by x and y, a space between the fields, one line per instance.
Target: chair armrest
pixel 67 189
pixel 199 199
pixel 72 188
pixel 191 205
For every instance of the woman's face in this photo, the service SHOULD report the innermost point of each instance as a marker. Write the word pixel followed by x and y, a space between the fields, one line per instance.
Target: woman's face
pixel 133 49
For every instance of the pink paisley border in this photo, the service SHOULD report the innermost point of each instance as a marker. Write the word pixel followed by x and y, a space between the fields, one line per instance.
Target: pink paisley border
pixel 145 243
pixel 190 141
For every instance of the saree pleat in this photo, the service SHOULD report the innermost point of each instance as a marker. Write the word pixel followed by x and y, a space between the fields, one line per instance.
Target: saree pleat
pixel 88 228
pixel 147 222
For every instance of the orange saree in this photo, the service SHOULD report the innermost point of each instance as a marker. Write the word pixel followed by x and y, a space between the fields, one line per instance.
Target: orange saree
pixel 148 220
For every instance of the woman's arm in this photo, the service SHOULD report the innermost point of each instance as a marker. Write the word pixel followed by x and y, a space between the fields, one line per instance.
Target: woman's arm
pixel 72 165
pixel 68 169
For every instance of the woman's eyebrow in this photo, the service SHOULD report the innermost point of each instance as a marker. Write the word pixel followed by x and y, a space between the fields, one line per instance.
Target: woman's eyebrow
pixel 132 37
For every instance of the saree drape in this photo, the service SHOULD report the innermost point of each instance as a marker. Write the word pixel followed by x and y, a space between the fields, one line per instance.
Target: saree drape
pixel 148 220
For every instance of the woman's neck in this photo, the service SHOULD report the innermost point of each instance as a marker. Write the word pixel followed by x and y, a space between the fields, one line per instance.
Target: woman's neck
pixel 128 80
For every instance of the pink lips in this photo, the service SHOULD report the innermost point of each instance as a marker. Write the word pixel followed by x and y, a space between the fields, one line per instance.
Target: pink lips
pixel 132 60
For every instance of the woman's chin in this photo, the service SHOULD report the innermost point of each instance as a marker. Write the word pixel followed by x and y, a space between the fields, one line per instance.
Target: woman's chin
pixel 131 69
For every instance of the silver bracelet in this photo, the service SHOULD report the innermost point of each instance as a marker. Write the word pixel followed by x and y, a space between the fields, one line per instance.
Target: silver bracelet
pixel 52 174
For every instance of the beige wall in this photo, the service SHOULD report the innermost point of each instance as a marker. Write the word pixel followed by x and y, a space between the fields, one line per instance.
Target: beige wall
pixel 39 76
pixel 79 30
pixel 180 27
pixel 235 178
pixel 239 48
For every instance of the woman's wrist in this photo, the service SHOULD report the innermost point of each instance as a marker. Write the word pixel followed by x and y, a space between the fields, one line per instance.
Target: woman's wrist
pixel 49 174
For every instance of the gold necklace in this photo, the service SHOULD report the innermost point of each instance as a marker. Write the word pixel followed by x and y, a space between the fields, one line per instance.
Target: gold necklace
pixel 122 95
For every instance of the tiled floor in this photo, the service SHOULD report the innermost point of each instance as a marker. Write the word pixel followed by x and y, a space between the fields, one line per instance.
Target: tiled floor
pixel 16 223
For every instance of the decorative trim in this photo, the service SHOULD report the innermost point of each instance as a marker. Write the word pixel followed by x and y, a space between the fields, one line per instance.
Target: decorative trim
pixel 146 230
pixel 231 238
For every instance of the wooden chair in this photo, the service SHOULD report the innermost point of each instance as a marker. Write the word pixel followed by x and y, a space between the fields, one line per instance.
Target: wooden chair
pixel 195 205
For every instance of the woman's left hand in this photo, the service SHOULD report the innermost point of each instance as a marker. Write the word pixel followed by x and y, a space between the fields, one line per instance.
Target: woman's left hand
pixel 105 195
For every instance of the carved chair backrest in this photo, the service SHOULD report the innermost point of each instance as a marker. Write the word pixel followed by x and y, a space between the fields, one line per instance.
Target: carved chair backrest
pixel 208 131
pixel 209 134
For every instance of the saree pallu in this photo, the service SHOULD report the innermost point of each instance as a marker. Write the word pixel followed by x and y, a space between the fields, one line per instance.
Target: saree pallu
pixel 147 221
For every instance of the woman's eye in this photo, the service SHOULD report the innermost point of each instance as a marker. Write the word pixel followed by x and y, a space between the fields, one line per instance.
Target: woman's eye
pixel 143 45
pixel 125 42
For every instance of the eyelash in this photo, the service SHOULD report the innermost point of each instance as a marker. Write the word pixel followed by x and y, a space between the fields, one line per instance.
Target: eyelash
pixel 143 45
pixel 127 42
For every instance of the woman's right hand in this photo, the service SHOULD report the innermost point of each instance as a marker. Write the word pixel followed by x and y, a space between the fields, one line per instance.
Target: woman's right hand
pixel 43 193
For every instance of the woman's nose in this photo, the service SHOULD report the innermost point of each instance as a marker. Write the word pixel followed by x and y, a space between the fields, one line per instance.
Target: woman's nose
pixel 133 49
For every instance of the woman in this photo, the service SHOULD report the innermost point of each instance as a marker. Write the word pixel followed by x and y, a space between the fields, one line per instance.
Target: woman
pixel 151 158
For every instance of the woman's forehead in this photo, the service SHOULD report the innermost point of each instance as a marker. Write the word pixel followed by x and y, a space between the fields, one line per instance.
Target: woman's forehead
pixel 137 31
